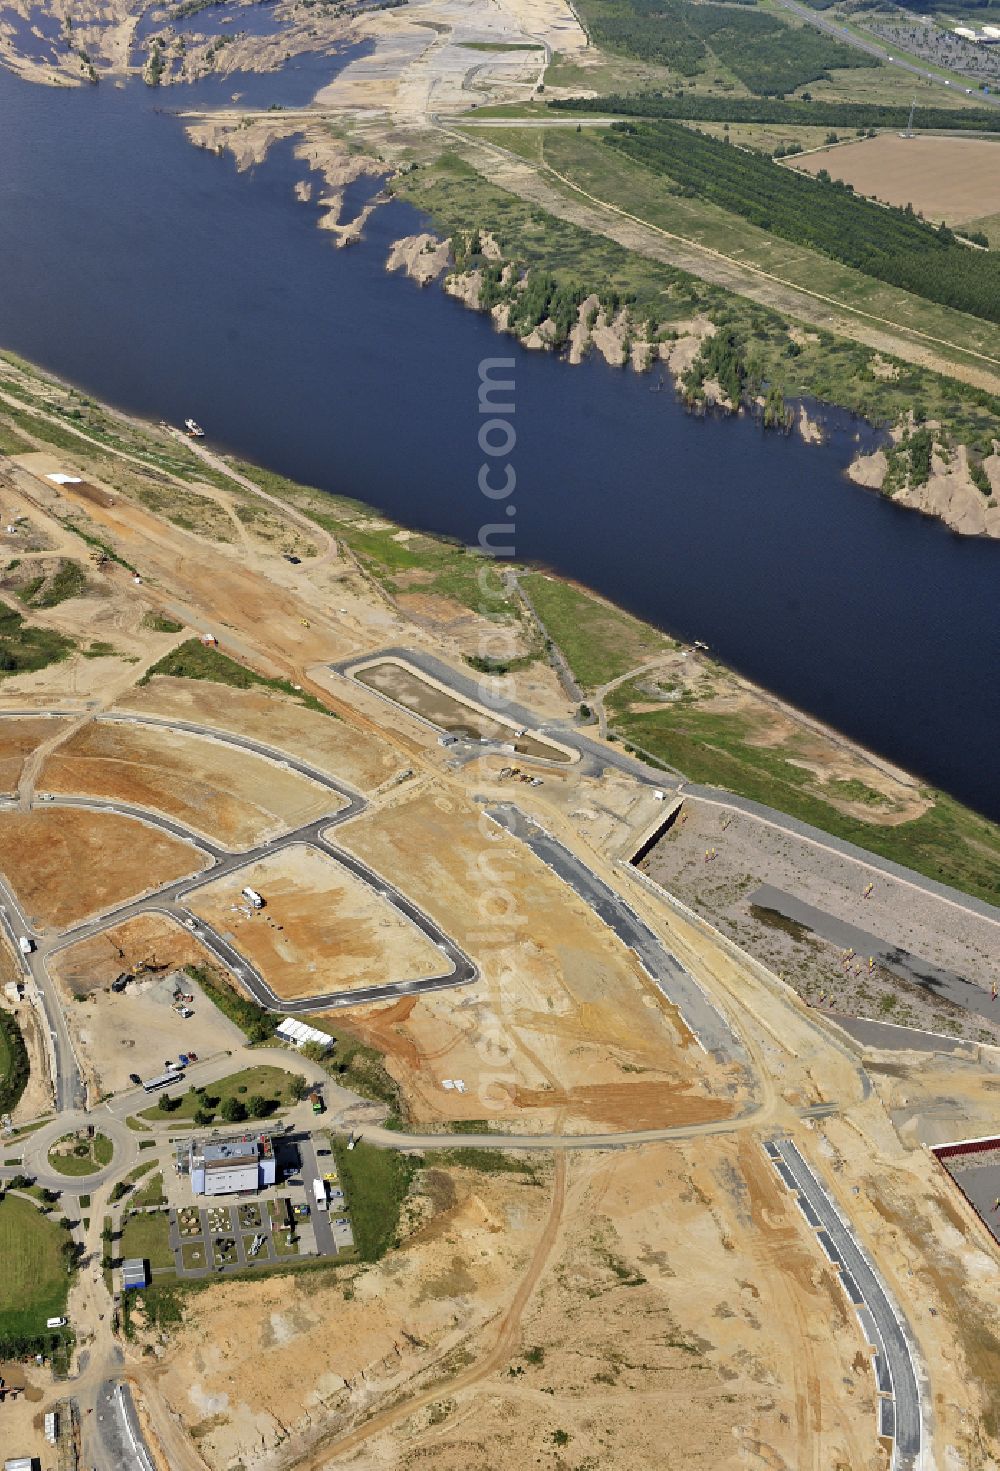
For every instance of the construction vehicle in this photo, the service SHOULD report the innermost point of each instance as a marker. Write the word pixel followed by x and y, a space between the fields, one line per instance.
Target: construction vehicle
pixel 316 1099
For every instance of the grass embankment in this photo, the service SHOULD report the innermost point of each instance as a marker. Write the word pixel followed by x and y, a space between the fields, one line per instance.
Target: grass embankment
pixel 35 1278
pixel 375 1183
pixel 14 1067
pixel 36 394
pixel 399 564
pixel 195 660
pixel 948 842
pixel 817 364
pixel 255 1093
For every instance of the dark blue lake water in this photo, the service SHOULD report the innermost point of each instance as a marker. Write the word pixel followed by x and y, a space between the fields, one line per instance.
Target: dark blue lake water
pixel 157 277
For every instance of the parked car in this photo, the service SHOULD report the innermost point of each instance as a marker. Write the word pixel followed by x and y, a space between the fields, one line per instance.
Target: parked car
pixel 135 1078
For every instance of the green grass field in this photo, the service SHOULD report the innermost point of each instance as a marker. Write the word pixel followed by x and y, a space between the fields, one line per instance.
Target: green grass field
pixel 34 1280
pixel 270 1083
pixel 375 1184
pixel 195 660
pixel 599 642
pixel 147 1236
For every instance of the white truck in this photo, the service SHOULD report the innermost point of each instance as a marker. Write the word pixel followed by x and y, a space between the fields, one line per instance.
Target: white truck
pixel 319 1195
pixel 25 945
pixel 253 898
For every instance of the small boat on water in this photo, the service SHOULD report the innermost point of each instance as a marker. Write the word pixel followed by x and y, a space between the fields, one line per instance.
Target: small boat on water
pixel 194 429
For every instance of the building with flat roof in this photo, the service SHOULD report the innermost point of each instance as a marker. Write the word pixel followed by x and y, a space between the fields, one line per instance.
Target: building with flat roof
pixel 230 1166
pixel 134 1274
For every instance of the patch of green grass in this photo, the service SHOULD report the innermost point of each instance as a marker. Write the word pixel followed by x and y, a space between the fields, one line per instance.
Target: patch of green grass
pixel 99 649
pixel 948 842
pixel 375 1183
pixel 152 1192
pixel 270 1083
pixel 12 443
pixel 193 1255
pixel 599 642
pixel 147 1236
pixel 159 623
pixel 35 1279
pixel 137 1125
pixel 195 660
pixel 14 1068
pixel 49 590
pixel 24 648
pixel 487 1161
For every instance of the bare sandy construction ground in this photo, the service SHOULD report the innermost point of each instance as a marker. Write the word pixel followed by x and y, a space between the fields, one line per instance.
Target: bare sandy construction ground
pixel 951 179
pixel 231 796
pixel 360 758
pixel 564 1024
pixel 18 738
pixel 663 1319
pixel 266 1363
pixel 670 1297
pixel 134 1032
pixel 149 940
pixel 321 929
pixel 66 863
pixel 749 853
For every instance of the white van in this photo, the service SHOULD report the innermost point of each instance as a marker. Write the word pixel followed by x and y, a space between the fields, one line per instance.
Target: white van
pixel 56 1322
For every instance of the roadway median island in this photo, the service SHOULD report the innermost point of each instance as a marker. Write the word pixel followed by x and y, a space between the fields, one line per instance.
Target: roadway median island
pixel 81 1153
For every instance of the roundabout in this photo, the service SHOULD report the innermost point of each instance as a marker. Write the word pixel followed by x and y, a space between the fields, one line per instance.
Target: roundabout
pixel 51 1154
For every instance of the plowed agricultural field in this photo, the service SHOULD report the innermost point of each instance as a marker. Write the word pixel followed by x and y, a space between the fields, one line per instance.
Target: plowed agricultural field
pixel 950 179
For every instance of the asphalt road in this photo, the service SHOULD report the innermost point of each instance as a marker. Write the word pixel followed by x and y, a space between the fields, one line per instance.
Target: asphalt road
pixel 894 1365
pixel 678 985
